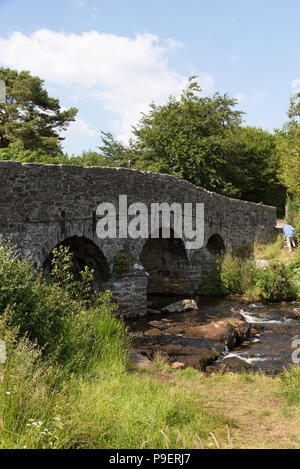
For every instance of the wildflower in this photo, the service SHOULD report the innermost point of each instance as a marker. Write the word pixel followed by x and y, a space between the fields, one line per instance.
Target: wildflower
pixel 8 393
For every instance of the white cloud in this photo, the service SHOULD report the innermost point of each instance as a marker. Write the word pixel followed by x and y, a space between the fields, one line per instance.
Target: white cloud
pixel 296 86
pixel 124 74
pixel 79 129
pixel 80 3
pixel 241 97
pixel 172 44
pixel 78 132
pixel 254 97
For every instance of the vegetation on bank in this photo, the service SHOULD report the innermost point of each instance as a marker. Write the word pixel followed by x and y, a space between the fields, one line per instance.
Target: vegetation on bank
pixel 68 383
pixel 265 272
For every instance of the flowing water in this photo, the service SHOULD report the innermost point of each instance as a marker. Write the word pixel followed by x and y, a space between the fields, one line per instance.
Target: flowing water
pixel 268 347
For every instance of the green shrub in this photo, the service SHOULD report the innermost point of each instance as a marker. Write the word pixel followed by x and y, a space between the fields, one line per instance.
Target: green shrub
pixel 212 286
pixel 123 262
pixel 274 283
pixel 230 274
pixel 36 307
pixel 63 273
pixel 248 277
pixel 65 317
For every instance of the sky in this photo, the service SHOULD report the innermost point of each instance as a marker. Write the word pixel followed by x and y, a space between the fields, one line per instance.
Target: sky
pixel 112 58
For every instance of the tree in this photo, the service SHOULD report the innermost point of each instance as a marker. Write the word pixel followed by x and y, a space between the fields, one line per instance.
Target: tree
pixel 30 115
pixel 200 139
pixel 259 163
pixel 185 137
pixel 289 147
pixel 115 153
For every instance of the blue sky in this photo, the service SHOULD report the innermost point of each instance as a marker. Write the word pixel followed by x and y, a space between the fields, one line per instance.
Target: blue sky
pixel 111 58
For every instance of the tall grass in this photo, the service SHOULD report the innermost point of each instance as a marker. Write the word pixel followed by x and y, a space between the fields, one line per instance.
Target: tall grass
pixel 270 251
pixel 67 383
pixel 290 384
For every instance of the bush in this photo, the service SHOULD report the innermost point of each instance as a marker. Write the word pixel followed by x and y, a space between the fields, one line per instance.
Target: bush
pixel 123 263
pixel 36 307
pixel 230 274
pixel 274 283
pixel 63 316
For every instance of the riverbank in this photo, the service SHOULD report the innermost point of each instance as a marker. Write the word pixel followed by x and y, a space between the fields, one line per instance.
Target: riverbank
pixel 78 388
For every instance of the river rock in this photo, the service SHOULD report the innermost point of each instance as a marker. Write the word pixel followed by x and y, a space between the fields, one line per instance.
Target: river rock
pixel 181 307
pixel 153 333
pixel 178 366
pixel 158 324
pixel 174 350
pixel 234 364
pixel 175 329
pixel 137 335
pixel 231 331
pixel 153 311
pixel 201 360
pixel 255 328
pixel 139 360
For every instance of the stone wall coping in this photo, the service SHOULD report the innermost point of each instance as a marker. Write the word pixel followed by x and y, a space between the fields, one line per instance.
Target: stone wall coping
pixel 75 169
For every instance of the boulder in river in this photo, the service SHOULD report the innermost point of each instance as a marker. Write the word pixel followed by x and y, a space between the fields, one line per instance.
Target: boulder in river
pixel 200 360
pixel 234 364
pixel 231 331
pixel 181 307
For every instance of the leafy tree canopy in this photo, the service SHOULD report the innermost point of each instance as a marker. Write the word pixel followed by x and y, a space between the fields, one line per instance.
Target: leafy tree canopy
pixel 30 115
pixel 289 148
pixel 201 140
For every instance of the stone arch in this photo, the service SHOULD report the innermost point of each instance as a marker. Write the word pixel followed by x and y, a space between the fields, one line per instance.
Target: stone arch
pixel 86 253
pixel 166 261
pixel 215 244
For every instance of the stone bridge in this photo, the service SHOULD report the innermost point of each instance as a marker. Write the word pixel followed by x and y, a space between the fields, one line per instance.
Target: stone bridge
pixel 43 206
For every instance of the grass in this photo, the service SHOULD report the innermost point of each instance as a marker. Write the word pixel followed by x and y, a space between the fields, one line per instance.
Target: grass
pixel 86 393
pixel 272 251
pixel 46 406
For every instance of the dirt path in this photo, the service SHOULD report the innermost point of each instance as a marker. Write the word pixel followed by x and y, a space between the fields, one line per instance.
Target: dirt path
pixel 263 419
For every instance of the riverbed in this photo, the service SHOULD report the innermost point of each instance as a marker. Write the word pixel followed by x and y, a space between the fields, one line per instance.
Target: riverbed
pixel 264 341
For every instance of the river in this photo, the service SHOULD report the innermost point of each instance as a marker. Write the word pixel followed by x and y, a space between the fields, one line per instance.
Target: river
pixel 267 346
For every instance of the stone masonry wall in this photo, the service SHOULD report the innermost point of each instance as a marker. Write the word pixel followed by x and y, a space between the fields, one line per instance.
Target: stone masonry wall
pixel 43 205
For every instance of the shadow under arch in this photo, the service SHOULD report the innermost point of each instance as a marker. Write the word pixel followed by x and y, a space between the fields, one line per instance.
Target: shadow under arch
pixel 215 245
pixel 165 260
pixel 86 253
